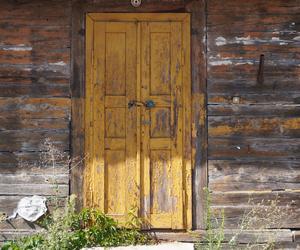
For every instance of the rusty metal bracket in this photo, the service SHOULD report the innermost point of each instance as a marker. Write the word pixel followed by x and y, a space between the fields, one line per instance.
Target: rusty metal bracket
pixel 260 74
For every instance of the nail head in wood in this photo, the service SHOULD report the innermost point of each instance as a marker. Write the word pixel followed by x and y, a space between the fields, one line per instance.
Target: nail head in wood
pixel 236 99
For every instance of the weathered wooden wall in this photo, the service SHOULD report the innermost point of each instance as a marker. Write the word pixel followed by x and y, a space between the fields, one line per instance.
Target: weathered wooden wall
pixel 254 146
pixel 34 98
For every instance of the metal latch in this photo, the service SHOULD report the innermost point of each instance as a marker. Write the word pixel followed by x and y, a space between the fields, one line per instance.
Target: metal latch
pixel 148 104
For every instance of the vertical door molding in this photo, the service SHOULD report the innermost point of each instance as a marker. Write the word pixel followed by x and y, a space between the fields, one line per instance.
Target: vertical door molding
pixel 199 109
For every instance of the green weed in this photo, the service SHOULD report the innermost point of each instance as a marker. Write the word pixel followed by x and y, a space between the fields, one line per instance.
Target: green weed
pixel 67 230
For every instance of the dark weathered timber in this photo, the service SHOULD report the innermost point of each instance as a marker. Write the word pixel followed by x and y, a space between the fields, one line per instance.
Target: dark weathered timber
pixel 282 98
pixel 50 178
pixel 199 112
pixel 78 94
pixel 251 111
pixel 16 124
pixel 31 140
pixel 239 147
pixel 254 142
pixel 28 162
pixel 274 127
pixel 236 204
pixel 34 101
pixel 34 189
pixel 35 49
pixel 233 215
pixel 230 175
pixel 241 198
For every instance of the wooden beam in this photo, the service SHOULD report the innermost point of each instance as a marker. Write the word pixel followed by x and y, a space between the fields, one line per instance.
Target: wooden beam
pixel 199 113
pixel 77 89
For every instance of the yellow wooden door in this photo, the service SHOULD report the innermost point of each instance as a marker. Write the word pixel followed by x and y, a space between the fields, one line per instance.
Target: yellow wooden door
pixel 138 131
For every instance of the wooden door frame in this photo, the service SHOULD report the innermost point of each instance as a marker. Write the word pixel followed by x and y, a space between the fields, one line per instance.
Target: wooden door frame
pixel 197 9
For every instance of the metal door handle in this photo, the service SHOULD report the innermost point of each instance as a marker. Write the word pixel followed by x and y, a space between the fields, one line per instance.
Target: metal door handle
pixel 134 103
pixel 149 104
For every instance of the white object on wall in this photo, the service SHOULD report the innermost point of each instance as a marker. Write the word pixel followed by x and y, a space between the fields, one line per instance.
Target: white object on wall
pixel 136 3
pixel 30 208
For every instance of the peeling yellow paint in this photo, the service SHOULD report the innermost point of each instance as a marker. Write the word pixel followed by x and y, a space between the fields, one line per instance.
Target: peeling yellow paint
pixel 140 157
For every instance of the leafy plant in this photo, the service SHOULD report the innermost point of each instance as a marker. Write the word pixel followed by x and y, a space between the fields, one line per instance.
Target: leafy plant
pixel 65 230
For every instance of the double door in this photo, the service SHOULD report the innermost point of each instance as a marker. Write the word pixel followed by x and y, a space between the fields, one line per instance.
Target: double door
pixel 137 113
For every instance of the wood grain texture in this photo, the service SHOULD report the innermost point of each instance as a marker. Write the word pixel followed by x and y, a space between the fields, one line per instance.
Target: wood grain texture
pixel 254 142
pixel 34 100
pixel 256 175
pixel 236 204
pixel 199 109
pixel 27 68
pixel 253 145
pixel 78 102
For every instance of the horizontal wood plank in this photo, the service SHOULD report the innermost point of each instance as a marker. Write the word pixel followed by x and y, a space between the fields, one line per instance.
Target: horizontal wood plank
pixel 236 204
pixel 32 140
pixel 252 111
pixel 34 189
pixel 275 127
pixel 35 108
pixel 229 175
pixel 253 148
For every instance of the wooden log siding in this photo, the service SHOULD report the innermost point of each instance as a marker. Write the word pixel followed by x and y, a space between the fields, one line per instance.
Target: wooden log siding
pixel 34 99
pixel 254 145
